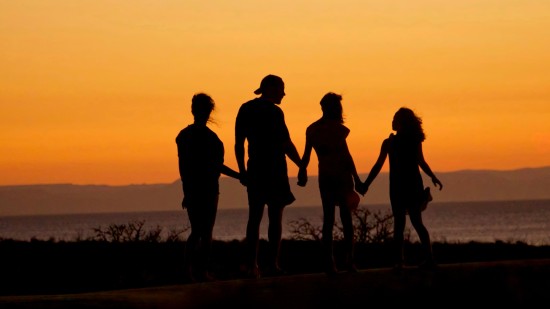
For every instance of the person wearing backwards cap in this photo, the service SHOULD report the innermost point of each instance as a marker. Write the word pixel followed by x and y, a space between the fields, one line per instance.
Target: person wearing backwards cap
pixel 261 122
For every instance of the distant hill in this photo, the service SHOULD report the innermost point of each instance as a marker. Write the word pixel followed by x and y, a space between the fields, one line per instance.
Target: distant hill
pixel 465 185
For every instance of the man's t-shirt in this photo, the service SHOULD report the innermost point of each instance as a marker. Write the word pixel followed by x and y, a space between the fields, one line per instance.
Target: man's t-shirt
pixel 263 125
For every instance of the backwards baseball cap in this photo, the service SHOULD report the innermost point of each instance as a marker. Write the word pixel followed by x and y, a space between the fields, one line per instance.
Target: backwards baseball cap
pixel 269 81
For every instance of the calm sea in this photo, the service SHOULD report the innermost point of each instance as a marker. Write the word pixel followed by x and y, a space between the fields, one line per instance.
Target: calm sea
pixel 457 222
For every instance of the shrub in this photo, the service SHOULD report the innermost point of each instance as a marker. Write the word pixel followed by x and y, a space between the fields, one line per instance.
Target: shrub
pixel 369 226
pixel 135 231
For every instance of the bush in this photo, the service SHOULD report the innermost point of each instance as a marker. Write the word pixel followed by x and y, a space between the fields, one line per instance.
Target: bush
pixel 369 227
pixel 134 231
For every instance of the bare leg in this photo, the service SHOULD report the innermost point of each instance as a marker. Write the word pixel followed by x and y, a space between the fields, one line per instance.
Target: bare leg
pixel 274 233
pixel 399 221
pixel 206 240
pixel 255 213
pixel 347 224
pixel 191 246
pixel 328 243
pixel 424 236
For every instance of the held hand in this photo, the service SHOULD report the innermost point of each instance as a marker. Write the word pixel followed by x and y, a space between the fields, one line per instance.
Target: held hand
pixel 365 188
pixel 362 188
pixel 302 177
pixel 359 188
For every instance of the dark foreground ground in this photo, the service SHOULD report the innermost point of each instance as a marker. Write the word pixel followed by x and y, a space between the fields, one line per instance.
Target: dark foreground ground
pixel 95 274
pixel 517 283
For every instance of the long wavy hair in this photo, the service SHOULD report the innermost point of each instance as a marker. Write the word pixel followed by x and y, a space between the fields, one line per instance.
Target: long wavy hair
pixel 202 106
pixel 409 124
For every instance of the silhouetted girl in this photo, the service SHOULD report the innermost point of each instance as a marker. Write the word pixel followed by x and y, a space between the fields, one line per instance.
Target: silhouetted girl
pixel 337 176
pixel 201 156
pixel 407 194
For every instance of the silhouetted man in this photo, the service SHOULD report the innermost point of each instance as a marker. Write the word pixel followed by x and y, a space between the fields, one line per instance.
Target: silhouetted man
pixel 261 122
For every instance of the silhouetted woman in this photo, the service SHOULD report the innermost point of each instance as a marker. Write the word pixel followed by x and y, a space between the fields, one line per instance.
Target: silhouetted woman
pixel 337 176
pixel 407 194
pixel 201 156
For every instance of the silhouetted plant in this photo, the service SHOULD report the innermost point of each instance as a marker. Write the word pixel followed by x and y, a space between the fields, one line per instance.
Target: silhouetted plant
pixel 116 232
pixel 175 235
pixel 135 231
pixel 370 227
pixel 153 235
pixel 302 229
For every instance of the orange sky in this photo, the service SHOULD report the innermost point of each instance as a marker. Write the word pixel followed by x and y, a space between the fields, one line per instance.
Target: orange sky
pixel 94 92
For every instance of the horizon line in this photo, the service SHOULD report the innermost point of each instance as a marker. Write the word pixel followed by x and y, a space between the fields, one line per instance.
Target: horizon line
pixel 224 177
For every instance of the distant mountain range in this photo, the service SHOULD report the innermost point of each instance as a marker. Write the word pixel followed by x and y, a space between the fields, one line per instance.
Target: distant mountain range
pixel 465 185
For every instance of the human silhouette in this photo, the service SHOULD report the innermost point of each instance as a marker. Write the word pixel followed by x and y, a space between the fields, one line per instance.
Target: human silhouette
pixel 407 193
pixel 262 124
pixel 201 160
pixel 338 177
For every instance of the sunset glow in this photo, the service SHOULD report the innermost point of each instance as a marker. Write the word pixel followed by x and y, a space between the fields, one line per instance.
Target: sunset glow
pixel 95 92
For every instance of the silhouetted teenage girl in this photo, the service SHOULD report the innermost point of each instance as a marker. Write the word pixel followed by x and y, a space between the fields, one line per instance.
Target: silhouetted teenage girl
pixel 201 156
pixel 407 193
pixel 337 176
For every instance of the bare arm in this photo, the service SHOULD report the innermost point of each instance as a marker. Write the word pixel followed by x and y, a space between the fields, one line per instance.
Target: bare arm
pixel 352 165
pixel 375 170
pixel 302 173
pixel 357 181
pixel 292 152
pixel 426 168
pixel 239 154
pixel 226 170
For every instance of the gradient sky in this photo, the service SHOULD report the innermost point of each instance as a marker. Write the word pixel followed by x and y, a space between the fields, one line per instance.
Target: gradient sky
pixel 95 92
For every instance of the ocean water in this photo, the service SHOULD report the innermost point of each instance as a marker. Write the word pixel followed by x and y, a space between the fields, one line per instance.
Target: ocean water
pixel 457 222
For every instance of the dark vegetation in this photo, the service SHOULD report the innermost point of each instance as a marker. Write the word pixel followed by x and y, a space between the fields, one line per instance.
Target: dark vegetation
pixel 128 256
